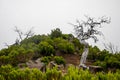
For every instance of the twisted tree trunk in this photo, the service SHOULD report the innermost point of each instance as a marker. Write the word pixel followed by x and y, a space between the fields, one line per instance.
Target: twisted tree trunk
pixel 84 54
pixel 87 33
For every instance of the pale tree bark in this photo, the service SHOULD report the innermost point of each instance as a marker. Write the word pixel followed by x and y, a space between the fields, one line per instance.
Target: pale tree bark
pixel 84 54
pixel 91 32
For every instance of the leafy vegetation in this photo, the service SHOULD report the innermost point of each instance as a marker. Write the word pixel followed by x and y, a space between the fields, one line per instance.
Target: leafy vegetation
pixel 57 59
pixel 15 55
pixel 56 33
pixel 9 73
pixel 46 47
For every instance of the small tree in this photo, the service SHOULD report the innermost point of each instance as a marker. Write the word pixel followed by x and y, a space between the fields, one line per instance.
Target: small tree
pixel 21 35
pixel 56 33
pixel 85 30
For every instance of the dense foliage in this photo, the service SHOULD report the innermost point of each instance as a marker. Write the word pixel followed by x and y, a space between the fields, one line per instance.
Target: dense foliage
pixel 57 59
pixel 9 73
pixel 104 59
pixel 47 47
pixel 15 55
pixel 38 46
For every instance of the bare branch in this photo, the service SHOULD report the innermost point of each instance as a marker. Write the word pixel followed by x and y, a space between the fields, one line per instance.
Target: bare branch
pixel 29 33
pixel 6 44
pixel 90 24
pixel 20 33
pixel 111 47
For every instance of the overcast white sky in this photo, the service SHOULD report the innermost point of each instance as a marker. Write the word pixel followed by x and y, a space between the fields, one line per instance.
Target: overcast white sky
pixel 45 15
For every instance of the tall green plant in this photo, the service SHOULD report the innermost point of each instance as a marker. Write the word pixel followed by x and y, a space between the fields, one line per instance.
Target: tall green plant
pixel 46 49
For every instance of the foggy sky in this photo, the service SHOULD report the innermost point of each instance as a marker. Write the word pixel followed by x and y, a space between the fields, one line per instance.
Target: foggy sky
pixel 45 15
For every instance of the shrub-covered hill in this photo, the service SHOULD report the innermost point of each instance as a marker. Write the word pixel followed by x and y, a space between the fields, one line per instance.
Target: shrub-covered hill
pixel 47 46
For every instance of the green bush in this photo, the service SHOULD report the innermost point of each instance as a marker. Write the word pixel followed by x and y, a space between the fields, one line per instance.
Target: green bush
pixel 102 64
pixel 73 73
pixel 101 55
pixel 78 46
pixel 53 74
pixel 112 62
pixel 15 54
pixel 109 62
pixel 5 70
pixel 2 77
pixel 36 39
pixel 57 41
pixel 4 52
pixel 56 33
pixel 93 53
pixel 4 60
pixel 68 37
pixel 70 48
pixel 38 75
pixel 50 41
pixel 59 60
pixel 66 47
pixel 20 56
pixel 63 45
pixel 46 59
pixel 46 49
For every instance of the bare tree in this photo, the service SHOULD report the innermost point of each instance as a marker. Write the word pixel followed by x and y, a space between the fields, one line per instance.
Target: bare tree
pixel 6 45
pixel 22 35
pixel 29 33
pixel 111 48
pixel 85 30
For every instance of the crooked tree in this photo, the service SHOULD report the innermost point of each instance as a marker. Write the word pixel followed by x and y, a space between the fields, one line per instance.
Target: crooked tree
pixel 22 35
pixel 85 30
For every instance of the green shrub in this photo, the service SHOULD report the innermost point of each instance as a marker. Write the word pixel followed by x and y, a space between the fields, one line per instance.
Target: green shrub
pixel 36 39
pixel 46 49
pixel 66 47
pixel 38 75
pixel 102 64
pixel 59 60
pixel 4 60
pixel 56 33
pixel 112 62
pixel 4 52
pixel 101 76
pixel 101 55
pixel 5 70
pixel 70 48
pixel 73 73
pixel 53 74
pixel 78 46
pixel 93 53
pixel 63 45
pixel 2 77
pixel 20 56
pixel 68 37
pixel 46 59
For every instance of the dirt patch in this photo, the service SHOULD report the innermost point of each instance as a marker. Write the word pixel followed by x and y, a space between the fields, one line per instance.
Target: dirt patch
pixel 70 58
